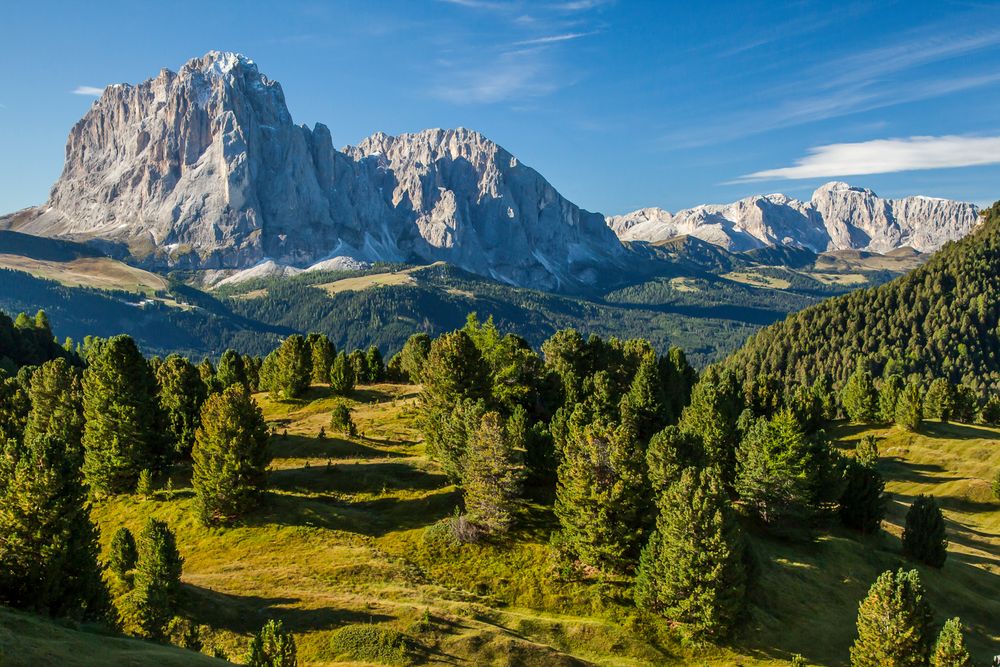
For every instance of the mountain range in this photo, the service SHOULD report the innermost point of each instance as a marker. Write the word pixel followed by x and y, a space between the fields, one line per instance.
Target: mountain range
pixel 205 169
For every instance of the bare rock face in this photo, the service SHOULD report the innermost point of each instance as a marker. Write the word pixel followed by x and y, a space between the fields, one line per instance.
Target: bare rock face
pixel 838 217
pixel 205 168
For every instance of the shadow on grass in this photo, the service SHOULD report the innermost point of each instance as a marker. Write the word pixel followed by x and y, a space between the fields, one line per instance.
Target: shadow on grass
pixel 248 613
pixel 897 468
pixel 368 477
pixel 954 431
pixel 373 518
pixel 300 446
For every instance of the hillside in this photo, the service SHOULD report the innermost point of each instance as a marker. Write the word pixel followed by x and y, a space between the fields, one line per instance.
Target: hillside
pixel 347 538
pixel 941 319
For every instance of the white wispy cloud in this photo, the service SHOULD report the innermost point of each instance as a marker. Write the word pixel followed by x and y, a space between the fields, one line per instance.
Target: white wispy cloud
pixel 511 76
pixel 882 156
pixel 92 91
pixel 554 39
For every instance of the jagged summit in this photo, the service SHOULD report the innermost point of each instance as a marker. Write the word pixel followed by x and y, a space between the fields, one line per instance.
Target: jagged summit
pixel 838 216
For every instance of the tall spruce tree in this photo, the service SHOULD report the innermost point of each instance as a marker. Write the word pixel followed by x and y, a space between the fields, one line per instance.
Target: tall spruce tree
pixel 862 502
pixel 939 403
pixel 374 365
pixel 859 398
pixel 949 650
pixel 648 399
pixel 230 456
pixel 894 623
pixel 693 569
pixel 232 370
pixel 669 453
pixel 888 397
pixel 600 499
pixel 182 393
pixel 49 547
pixel 712 416
pixel 924 532
pixel 321 355
pixel 909 408
pixel 120 438
pixel 413 356
pixel 341 375
pixel 288 369
pixel 491 476
pixel 154 599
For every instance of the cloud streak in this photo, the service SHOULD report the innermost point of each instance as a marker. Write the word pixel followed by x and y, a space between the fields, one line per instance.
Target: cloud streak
pixel 554 39
pixel 91 91
pixel 883 156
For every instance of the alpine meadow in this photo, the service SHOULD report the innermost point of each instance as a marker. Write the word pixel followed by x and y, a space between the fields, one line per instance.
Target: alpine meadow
pixel 265 401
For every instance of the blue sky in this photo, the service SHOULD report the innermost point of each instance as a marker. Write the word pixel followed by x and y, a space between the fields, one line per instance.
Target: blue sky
pixel 620 104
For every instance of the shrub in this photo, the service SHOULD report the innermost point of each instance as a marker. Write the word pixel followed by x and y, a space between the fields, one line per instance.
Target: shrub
pixel 372 643
pixel 340 419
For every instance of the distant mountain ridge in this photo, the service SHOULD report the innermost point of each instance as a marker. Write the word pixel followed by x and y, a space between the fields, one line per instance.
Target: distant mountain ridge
pixel 837 217
pixel 205 169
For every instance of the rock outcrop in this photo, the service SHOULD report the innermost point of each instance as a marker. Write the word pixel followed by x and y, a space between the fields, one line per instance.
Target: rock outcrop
pixel 205 168
pixel 838 217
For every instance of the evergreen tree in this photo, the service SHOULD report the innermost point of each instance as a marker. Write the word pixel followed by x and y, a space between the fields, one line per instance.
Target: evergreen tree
pixel 491 477
pixel 692 571
pixel 894 623
pixel 230 456
pixel 374 367
pixel 712 417
pixel 231 371
pixel 341 376
pixel 340 419
pixel 157 581
pixel 48 543
pixel 909 409
pixel 359 366
pixel 252 366
pixel 182 393
pixel 669 453
pixel 121 412
pixel 859 397
pixel 207 372
pixel 939 403
pixel 888 397
pixel 949 650
pixel 322 353
pixel 924 532
pixel 867 453
pixel 780 473
pixel 990 413
pixel 648 399
pixel 287 370
pixel 599 495
pixel 413 356
pixel 124 554
pixel 273 646
pixel 862 503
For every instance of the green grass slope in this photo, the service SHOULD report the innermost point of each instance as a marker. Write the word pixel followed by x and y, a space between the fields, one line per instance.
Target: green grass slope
pixel 350 552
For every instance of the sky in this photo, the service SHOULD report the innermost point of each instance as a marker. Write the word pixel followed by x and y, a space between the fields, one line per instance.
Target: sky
pixel 620 104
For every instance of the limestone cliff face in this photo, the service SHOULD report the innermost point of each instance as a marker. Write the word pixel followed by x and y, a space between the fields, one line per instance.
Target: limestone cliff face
pixel 205 168
pixel 838 217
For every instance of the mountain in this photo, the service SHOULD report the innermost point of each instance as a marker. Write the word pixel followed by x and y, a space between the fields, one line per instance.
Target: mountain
pixel 837 217
pixel 941 319
pixel 204 168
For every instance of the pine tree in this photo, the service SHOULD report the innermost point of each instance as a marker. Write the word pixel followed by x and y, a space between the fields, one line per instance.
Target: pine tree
pixel 49 548
pixel 894 623
pixel 321 354
pixel 121 412
pixel 230 456
pixel 779 473
pixel 867 453
pixel 231 370
pixel 712 416
pixel 648 399
pixel 207 372
pixel 182 393
pixel 862 502
pixel 939 403
pixel 413 356
pixel 124 555
pixel 924 532
pixel 157 581
pixel 949 650
pixel 491 477
pixel 359 366
pixel 375 368
pixel 287 370
pixel 692 571
pixel 340 419
pixel 888 397
pixel 909 409
pixel 599 495
pixel 341 376
pixel 669 452
pixel 859 397
pixel 273 646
